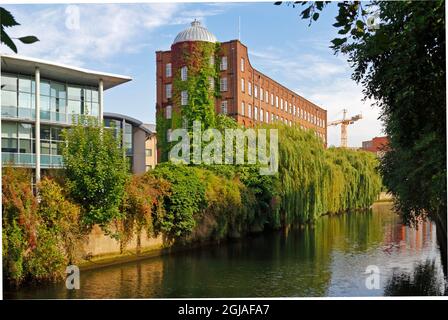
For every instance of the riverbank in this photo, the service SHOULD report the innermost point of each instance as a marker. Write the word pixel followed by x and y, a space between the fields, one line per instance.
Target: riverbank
pixel 155 247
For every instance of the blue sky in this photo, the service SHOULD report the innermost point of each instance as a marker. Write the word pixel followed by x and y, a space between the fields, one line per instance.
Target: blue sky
pixel 123 38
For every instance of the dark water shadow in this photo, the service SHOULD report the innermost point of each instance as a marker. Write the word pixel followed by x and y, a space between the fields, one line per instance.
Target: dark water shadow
pixel 424 280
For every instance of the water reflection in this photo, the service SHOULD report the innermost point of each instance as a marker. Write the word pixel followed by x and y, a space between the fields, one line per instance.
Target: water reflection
pixel 425 280
pixel 326 259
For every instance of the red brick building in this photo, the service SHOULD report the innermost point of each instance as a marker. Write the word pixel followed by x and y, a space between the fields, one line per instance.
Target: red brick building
pixel 378 145
pixel 248 95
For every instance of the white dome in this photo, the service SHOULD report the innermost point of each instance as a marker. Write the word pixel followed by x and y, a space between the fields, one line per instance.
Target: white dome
pixel 195 33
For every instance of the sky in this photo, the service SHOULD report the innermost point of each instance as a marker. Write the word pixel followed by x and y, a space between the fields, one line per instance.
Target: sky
pixel 123 39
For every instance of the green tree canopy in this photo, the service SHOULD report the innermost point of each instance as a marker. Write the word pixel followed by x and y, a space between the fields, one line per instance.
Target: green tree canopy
pixel 397 52
pixel 96 171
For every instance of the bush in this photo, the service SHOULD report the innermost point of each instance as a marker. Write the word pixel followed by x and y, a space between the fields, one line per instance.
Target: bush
pixel 39 239
pixel 187 199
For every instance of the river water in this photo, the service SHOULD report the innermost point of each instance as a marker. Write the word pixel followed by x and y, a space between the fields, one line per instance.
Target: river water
pixel 328 259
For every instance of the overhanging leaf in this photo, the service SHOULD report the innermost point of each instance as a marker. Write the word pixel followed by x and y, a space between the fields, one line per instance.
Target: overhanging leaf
pixel 28 39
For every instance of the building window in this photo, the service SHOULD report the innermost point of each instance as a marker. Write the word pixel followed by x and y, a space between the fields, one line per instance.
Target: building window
pixel 148 152
pixel 261 115
pixel 272 99
pixel 267 117
pixel 249 88
pixel 256 113
pixel 242 64
pixel 242 85
pixel 212 83
pixel 168 135
pixel 224 107
pixel 261 94
pixel 168 112
pixel 223 65
pixel 168 70
pixel 212 60
pixel 223 84
pixel 168 92
pixel 256 91
pixel 294 110
pixel 266 96
pixel 242 108
pixel 183 73
pixel 272 117
pixel 184 98
pixel 281 103
pixel 276 102
pixel 249 111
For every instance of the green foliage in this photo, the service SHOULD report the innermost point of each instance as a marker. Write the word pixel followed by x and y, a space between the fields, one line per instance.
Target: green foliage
pixel 401 65
pixel 61 218
pixel 7 20
pixel 96 171
pixel 315 181
pixel 187 198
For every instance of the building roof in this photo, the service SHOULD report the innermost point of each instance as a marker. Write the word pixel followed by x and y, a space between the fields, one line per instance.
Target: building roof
pixel 195 32
pixel 150 126
pixel 134 122
pixel 60 72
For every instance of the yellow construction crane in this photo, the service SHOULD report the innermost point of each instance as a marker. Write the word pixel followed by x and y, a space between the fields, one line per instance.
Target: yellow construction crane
pixel 344 122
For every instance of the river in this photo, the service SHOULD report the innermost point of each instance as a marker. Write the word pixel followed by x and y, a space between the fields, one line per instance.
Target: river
pixel 327 259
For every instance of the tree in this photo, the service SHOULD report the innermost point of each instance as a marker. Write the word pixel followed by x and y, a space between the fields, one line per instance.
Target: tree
pixel 400 61
pixel 7 20
pixel 96 171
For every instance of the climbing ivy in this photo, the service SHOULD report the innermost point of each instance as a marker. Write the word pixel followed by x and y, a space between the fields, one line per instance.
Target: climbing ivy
pixel 202 86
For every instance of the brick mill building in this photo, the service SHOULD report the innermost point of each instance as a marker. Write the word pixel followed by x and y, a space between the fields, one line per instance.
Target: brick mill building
pixel 246 94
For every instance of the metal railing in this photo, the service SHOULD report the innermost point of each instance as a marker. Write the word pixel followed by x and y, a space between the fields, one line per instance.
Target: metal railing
pixel 29 160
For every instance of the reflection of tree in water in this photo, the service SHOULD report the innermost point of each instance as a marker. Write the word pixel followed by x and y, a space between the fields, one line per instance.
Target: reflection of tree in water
pixel 423 281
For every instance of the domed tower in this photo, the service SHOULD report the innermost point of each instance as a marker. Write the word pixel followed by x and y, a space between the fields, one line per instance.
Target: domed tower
pixel 192 53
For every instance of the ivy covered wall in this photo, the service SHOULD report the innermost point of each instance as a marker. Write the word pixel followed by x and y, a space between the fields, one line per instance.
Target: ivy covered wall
pixel 201 84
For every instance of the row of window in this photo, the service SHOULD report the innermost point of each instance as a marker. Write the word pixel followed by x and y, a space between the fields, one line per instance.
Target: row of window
pixel 249 114
pixel 281 104
pixel 20 138
pixel 223 84
pixel 223 65
pixel 18 98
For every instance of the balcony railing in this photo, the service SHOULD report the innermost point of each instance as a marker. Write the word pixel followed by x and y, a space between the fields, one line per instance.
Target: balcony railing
pixel 29 160
pixel 30 114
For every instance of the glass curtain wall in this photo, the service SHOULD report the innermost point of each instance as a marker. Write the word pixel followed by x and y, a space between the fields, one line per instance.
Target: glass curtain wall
pixel 59 102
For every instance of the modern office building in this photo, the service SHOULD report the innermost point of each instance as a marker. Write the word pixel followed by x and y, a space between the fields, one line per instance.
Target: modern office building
pixel 136 137
pixel 246 94
pixel 38 99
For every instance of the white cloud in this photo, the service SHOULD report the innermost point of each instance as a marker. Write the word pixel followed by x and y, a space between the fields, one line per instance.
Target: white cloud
pixel 105 30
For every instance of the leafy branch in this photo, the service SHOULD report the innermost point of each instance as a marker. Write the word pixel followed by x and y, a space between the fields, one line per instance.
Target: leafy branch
pixel 7 20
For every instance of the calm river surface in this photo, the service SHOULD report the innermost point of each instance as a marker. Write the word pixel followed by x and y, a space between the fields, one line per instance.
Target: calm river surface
pixel 328 259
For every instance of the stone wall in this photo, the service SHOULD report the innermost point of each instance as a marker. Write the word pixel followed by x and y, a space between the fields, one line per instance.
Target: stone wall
pixel 98 245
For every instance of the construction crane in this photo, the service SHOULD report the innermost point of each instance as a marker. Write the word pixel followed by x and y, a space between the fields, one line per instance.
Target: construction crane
pixel 344 122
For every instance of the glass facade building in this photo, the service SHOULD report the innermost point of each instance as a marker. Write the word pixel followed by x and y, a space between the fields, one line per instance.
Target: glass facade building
pixel 38 100
pixel 134 136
